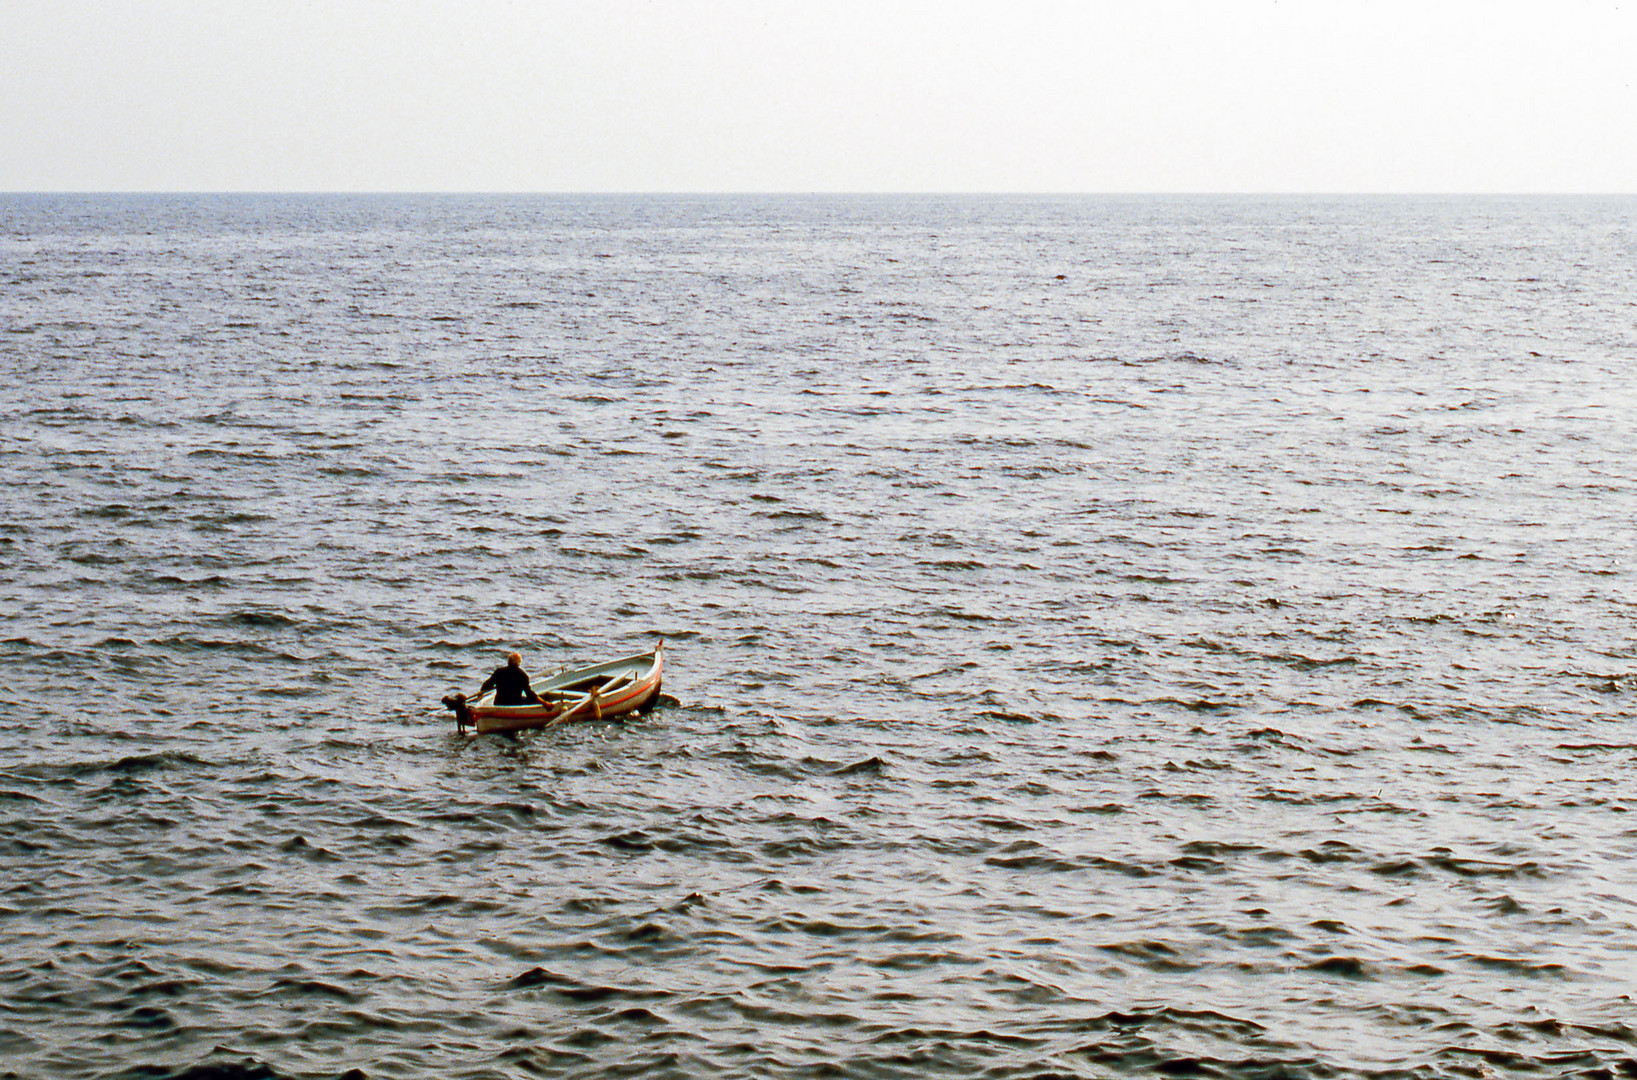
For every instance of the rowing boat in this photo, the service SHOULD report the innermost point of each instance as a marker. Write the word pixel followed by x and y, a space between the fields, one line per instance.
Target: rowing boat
pixel 612 688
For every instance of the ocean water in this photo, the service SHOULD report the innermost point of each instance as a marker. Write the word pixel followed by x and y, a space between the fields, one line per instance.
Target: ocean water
pixel 1107 636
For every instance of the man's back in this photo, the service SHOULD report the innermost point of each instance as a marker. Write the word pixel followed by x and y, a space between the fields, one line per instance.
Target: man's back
pixel 511 685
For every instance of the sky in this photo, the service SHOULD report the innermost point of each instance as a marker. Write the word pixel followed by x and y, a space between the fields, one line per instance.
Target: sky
pixel 816 96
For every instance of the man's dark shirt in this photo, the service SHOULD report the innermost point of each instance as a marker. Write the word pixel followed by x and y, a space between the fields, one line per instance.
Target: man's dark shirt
pixel 511 686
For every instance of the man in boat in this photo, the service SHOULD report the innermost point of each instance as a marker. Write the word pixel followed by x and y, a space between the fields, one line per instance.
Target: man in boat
pixel 511 684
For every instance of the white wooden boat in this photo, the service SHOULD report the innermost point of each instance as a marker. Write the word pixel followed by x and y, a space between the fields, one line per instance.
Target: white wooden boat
pixel 613 688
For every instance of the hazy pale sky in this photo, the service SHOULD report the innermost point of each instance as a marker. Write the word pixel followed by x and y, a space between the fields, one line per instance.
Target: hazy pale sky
pixel 732 95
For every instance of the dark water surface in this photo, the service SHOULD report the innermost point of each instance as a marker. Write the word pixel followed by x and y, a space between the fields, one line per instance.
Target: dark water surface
pixel 1107 637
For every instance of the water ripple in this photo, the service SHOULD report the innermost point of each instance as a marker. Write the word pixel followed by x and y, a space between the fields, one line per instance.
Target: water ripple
pixel 1134 636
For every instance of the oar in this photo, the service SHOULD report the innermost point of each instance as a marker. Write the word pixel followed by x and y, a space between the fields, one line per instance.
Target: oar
pixel 572 709
pixel 615 684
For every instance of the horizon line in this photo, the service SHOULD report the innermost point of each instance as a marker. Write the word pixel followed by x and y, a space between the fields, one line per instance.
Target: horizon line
pixel 798 193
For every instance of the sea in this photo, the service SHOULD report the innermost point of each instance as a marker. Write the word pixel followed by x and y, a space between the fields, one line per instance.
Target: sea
pixel 1105 636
